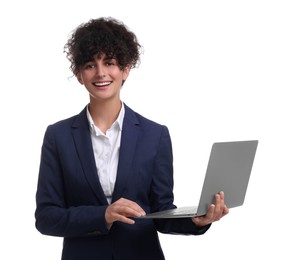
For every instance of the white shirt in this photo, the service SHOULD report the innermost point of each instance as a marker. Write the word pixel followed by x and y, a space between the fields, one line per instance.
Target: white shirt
pixel 106 148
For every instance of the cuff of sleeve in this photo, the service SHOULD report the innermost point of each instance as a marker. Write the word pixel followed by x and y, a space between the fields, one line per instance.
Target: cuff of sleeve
pixel 202 230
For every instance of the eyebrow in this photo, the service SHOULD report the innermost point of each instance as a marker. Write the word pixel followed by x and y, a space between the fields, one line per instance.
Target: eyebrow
pixel 106 57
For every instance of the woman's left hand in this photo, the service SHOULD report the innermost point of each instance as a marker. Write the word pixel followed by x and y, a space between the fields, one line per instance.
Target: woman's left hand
pixel 215 212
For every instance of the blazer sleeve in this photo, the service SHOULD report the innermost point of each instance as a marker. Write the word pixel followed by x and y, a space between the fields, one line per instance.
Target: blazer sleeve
pixel 53 215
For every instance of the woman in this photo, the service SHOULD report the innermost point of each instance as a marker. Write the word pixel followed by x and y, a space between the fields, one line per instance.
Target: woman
pixel 104 168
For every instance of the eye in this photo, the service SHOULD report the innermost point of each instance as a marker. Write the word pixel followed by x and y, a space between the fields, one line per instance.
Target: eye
pixel 110 62
pixel 88 66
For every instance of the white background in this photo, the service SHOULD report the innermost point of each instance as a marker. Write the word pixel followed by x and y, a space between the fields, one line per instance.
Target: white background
pixel 211 71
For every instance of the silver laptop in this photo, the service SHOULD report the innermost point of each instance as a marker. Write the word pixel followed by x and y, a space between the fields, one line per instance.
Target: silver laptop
pixel 228 170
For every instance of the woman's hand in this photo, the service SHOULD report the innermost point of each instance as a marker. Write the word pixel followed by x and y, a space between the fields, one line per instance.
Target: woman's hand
pixel 122 210
pixel 215 212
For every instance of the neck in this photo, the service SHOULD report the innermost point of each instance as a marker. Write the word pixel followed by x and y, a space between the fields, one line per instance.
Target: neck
pixel 104 114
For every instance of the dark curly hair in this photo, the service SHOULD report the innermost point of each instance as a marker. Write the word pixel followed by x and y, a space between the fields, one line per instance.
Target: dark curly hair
pixel 102 36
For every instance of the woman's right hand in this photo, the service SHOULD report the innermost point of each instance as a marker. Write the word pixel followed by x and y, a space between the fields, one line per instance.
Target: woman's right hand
pixel 122 210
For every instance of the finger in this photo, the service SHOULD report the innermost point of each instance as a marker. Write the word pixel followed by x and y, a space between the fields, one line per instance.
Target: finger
pixel 221 193
pixel 222 197
pixel 225 210
pixel 206 219
pixel 125 220
pixel 128 211
pixel 219 202
pixel 131 206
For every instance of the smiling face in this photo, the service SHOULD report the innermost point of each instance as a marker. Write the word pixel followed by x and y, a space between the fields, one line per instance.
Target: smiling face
pixel 103 78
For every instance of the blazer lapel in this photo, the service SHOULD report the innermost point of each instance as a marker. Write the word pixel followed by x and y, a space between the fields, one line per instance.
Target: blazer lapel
pixel 82 139
pixel 129 137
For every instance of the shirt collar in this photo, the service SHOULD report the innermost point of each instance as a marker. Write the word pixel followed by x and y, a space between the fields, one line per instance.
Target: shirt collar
pixel 119 121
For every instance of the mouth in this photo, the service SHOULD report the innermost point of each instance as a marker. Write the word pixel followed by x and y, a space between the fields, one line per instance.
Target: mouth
pixel 102 84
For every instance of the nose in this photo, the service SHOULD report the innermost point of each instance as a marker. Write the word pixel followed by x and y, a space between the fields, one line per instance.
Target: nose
pixel 100 70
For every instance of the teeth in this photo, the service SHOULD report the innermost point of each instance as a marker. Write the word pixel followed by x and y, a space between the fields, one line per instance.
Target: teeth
pixel 100 84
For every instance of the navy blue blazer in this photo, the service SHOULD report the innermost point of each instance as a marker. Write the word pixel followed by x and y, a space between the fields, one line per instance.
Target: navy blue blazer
pixel 71 203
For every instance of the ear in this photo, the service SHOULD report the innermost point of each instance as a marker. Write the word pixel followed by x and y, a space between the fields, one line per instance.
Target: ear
pixel 79 78
pixel 126 72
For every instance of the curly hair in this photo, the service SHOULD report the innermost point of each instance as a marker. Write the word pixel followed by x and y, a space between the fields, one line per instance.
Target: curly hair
pixel 102 36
